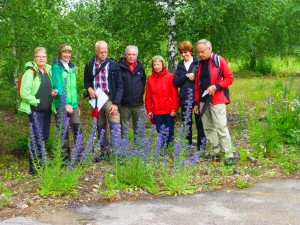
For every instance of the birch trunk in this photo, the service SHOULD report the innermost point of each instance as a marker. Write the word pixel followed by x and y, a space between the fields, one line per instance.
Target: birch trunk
pixel 172 43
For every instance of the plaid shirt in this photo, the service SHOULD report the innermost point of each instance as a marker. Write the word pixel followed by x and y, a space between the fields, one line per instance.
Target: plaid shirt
pixel 101 79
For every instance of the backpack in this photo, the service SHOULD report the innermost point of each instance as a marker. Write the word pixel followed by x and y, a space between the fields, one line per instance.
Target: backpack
pixel 20 79
pixel 216 61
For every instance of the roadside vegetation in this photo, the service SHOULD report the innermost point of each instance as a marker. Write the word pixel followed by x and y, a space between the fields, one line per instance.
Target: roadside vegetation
pixel 265 129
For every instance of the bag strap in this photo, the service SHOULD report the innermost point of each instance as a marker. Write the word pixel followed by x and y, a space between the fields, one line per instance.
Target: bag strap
pixel 34 71
pixel 101 66
pixel 205 106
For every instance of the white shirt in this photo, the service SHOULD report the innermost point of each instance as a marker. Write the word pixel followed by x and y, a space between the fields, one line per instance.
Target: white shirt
pixel 66 65
pixel 187 64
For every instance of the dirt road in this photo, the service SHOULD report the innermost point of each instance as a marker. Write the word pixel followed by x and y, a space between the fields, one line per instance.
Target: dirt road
pixel 272 202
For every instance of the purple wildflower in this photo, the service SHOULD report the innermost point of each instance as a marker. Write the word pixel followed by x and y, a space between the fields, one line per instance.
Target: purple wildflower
pixel 194 158
pixel 89 148
pixel 177 155
pixel 37 147
pixel 203 144
pixel 142 141
pixel 120 146
pixel 77 149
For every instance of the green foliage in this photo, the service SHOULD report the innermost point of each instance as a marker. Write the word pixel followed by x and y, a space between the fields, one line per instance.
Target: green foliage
pixel 279 126
pixel 5 176
pixel 263 67
pixel 177 182
pixel 243 155
pixel 289 160
pixel 243 183
pixel 21 145
pixel 133 173
pixel 56 178
pixel 254 171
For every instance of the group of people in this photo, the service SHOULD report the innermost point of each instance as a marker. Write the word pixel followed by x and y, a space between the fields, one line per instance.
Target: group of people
pixel 49 89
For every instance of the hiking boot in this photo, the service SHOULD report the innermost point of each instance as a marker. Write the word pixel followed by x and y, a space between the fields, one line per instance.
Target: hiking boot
pixel 229 162
pixel 32 170
pixel 103 156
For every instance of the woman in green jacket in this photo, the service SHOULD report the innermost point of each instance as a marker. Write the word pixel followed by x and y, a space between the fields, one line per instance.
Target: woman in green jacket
pixel 36 92
pixel 64 80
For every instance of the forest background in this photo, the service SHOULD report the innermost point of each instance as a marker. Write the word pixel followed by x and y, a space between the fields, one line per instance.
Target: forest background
pixel 257 37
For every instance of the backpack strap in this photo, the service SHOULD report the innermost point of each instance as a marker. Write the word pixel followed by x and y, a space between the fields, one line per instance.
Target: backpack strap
pixel 34 71
pixel 216 61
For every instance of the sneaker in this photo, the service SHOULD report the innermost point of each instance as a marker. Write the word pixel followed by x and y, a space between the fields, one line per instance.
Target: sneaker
pixel 32 170
pixel 229 162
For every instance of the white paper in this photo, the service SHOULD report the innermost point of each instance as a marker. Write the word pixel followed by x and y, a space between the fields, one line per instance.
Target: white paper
pixel 205 93
pixel 102 98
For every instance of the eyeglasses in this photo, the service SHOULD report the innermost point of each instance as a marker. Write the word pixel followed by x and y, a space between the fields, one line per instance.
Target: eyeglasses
pixel 101 52
pixel 40 56
pixel 202 52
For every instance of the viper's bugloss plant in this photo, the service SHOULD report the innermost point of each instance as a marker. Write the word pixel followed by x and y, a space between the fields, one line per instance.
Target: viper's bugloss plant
pixel 58 176
pixel 150 163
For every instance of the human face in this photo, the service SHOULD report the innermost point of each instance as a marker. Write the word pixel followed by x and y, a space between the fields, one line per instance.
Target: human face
pixel 40 58
pixel 157 66
pixel 186 55
pixel 66 56
pixel 131 55
pixel 203 52
pixel 101 51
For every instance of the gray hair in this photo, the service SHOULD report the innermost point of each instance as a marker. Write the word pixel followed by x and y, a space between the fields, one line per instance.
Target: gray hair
pixel 206 42
pixel 133 47
pixel 158 58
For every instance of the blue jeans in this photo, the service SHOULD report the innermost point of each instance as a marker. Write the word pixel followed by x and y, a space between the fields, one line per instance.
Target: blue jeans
pixel 168 122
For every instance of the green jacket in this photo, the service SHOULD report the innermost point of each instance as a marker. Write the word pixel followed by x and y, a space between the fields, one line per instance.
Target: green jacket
pixel 30 86
pixel 60 74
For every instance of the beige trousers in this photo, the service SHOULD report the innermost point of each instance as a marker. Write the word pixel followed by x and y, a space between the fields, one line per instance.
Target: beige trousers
pixel 216 130
pixel 104 114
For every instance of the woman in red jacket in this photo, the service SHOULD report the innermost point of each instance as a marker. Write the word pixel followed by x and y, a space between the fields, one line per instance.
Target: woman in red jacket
pixel 161 97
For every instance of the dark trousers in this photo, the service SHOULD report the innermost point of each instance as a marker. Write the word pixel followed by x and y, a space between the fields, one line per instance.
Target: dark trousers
pixel 189 123
pixel 168 122
pixel 40 129
pixel 74 122
pixel 41 122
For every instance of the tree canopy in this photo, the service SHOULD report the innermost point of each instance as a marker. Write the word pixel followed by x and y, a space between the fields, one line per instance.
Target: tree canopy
pixel 238 29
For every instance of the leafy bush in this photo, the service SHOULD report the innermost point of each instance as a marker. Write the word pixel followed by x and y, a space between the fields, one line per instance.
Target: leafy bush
pixel 280 126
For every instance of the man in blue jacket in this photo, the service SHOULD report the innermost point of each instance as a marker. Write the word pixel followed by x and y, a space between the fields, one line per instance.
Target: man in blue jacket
pixel 134 80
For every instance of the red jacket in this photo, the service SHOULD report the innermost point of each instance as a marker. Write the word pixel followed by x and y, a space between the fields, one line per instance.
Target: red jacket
pixel 161 94
pixel 222 84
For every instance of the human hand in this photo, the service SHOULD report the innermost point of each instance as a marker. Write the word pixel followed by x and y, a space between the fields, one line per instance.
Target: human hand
pixel 54 92
pixel 113 109
pixel 150 115
pixel 196 109
pixel 69 109
pixel 92 93
pixel 211 89
pixel 191 76
pixel 173 113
